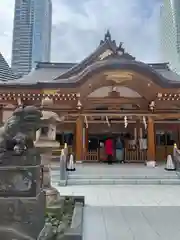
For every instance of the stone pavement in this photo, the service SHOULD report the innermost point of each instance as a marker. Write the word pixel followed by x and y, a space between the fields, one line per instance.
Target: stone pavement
pixel 126 195
pixel 132 223
pixel 129 212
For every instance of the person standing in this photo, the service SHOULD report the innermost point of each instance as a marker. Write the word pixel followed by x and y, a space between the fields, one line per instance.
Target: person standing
pixel 109 150
pixel 119 150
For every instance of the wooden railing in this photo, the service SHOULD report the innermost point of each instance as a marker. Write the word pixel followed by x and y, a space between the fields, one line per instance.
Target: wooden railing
pixel 135 155
pixel 131 155
pixel 162 152
pixel 91 155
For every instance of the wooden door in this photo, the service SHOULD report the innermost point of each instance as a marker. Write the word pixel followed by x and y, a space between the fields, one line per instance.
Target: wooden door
pixel 164 143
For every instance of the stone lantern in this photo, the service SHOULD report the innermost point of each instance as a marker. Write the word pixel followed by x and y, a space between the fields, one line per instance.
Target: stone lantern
pixel 46 144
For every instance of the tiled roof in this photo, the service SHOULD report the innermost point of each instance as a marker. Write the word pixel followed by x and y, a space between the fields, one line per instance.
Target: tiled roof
pixel 113 57
pixel 45 72
pixel 48 72
pixel 6 72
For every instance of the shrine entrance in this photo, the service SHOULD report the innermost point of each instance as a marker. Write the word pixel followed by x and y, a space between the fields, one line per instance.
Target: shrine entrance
pixel 126 148
pixel 133 136
pixel 115 111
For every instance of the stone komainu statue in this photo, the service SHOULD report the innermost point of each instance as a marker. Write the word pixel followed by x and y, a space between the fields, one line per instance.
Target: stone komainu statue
pixel 22 199
pixel 18 132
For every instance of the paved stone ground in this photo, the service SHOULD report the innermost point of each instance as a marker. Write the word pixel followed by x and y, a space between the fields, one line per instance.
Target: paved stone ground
pixel 126 195
pixel 132 223
pixel 129 212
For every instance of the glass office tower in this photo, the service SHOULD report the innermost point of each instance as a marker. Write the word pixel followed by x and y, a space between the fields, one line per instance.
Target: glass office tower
pixel 170 33
pixel 31 34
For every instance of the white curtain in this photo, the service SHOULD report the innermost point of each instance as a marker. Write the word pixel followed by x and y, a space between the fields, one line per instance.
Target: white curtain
pixel 52 132
pixel 38 134
pixel 135 134
pixel 141 133
pixel 143 143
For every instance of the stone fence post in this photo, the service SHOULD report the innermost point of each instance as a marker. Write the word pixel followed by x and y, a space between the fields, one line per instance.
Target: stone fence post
pixel 63 168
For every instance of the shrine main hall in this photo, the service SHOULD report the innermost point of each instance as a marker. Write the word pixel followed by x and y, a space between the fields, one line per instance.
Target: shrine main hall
pixel 108 93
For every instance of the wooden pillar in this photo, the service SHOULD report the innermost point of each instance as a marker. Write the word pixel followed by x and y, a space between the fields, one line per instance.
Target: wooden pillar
pixel 79 138
pixel 151 140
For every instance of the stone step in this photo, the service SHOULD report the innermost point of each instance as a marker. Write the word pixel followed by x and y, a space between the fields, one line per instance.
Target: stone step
pixel 123 182
pixel 114 177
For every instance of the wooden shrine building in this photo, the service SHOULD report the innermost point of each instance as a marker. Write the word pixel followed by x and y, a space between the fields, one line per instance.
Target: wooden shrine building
pixel 109 92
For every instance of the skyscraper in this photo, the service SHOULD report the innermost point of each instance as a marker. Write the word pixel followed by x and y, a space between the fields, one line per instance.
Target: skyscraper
pixel 31 34
pixel 170 33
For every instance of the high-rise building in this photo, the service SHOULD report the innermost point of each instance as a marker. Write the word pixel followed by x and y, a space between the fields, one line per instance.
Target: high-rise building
pixel 170 33
pixel 42 31
pixel 31 34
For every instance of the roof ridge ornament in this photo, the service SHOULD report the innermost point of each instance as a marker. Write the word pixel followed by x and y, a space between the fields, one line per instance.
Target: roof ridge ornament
pixel 120 48
pixel 107 36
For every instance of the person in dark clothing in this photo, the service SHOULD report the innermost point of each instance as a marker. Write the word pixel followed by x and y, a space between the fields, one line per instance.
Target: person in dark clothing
pixel 119 150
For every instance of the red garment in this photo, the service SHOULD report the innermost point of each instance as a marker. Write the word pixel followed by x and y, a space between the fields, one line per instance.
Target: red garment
pixel 109 147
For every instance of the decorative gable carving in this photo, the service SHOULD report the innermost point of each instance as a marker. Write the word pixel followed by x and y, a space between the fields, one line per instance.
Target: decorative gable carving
pixel 105 54
pixel 118 76
pixel 121 91
pixel 107 49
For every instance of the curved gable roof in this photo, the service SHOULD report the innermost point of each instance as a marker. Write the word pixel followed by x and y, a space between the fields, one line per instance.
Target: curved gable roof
pixel 123 64
pixel 108 56
pixel 105 45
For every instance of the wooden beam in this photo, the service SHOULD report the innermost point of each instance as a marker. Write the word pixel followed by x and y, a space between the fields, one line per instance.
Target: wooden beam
pixel 130 113
pixel 118 122
pixel 114 100
pixel 159 114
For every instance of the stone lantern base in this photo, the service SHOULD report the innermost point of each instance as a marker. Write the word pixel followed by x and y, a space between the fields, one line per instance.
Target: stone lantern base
pixel 52 194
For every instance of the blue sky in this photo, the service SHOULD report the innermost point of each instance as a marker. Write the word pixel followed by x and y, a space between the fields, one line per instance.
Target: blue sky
pixel 79 25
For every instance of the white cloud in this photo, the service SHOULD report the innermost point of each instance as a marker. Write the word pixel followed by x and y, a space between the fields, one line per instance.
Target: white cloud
pixel 79 25
pixel 6 25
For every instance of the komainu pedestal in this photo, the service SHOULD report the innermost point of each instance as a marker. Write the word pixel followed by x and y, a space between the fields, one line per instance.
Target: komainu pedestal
pixel 22 200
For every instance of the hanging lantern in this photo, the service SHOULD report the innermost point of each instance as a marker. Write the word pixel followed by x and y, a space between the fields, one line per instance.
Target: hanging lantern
pixel 79 105
pixel 47 101
pixel 19 102
pixel 125 122
pixel 144 122
pixel 152 105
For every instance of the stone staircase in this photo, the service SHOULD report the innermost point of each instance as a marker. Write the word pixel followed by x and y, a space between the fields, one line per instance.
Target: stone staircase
pixel 98 174
pixel 74 179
